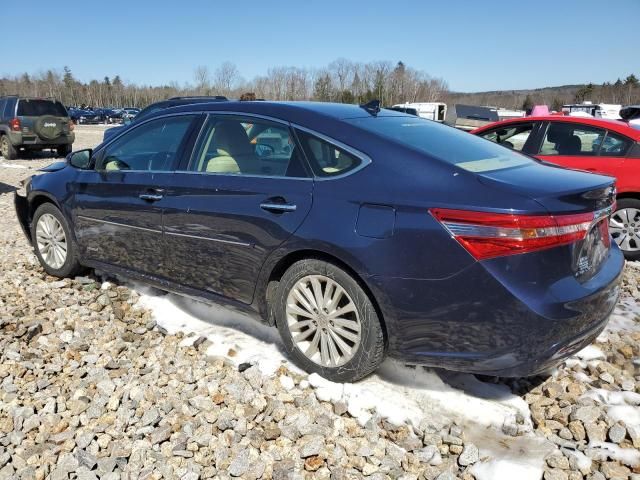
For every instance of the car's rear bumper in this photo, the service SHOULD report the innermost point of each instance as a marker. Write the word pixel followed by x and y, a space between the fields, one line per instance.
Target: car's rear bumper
pixel 476 321
pixel 31 140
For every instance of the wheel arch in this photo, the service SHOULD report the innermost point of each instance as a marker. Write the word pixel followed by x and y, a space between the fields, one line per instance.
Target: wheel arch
pixel 632 195
pixel 269 287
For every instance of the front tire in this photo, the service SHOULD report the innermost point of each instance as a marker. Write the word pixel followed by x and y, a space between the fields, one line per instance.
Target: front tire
pixel 625 227
pixel 8 151
pixel 327 322
pixel 53 243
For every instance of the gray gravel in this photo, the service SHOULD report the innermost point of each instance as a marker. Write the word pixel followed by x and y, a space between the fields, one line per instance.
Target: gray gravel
pixel 90 388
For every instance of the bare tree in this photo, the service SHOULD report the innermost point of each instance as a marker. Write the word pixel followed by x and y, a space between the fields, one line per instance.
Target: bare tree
pixel 226 77
pixel 202 78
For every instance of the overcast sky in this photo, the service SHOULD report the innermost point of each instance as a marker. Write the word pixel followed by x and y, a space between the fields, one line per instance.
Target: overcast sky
pixel 473 45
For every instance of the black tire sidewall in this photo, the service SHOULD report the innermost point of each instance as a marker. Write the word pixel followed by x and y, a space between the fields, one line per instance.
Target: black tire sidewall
pixel 63 150
pixel 629 203
pixel 371 350
pixel 71 264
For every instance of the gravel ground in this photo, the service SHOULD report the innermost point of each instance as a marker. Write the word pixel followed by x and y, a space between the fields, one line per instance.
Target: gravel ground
pixel 91 387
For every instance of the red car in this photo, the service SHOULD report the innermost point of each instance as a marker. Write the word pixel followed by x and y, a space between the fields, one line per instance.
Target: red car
pixel 608 147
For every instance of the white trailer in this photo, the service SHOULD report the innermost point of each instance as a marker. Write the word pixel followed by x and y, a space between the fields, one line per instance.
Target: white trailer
pixel 435 111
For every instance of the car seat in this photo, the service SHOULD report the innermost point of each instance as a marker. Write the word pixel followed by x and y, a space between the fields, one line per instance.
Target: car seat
pixel 233 153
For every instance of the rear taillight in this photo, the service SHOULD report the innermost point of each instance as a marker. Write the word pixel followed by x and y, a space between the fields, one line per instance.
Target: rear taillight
pixel 14 124
pixel 488 235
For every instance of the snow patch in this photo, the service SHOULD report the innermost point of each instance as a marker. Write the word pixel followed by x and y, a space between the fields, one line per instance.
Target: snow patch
pixel 395 392
pixel 13 165
pixel 627 456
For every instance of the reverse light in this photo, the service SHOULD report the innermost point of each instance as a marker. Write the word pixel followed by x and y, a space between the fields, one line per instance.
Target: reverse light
pixel 488 235
pixel 14 124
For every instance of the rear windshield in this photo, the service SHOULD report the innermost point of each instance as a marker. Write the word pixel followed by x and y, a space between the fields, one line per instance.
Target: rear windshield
pixel 460 148
pixel 37 108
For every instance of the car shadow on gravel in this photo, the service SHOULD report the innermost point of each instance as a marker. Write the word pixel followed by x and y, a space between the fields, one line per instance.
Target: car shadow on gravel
pixel 5 188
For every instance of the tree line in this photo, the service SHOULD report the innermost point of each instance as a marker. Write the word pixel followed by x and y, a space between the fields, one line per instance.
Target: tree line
pixel 623 91
pixel 340 81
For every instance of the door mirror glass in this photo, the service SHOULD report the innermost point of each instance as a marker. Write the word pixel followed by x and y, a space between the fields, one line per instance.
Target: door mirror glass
pixel 80 159
pixel 126 120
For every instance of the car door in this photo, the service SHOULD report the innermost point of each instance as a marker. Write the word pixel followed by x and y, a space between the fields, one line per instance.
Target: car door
pixel 245 190
pixel 117 206
pixel 584 147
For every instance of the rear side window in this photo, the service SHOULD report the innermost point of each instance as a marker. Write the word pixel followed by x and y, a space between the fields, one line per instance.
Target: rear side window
pixel 572 139
pixel 513 136
pixel 445 143
pixel 326 159
pixel 614 145
pixel 236 145
pixel 37 108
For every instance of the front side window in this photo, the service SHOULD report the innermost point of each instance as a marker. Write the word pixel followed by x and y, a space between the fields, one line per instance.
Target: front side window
pixel 571 139
pixel 233 145
pixel 614 145
pixel 513 136
pixel 153 146
pixel 326 159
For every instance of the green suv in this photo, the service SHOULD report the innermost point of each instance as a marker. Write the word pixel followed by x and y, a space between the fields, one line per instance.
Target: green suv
pixel 33 124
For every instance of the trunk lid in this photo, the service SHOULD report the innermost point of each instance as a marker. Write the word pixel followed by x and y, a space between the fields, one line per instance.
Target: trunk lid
pixel 561 191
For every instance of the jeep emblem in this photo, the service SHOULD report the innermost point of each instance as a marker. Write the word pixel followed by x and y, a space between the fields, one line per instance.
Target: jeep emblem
pixel 52 125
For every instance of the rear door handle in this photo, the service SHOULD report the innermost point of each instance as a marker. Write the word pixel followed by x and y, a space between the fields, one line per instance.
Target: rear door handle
pixel 278 207
pixel 152 195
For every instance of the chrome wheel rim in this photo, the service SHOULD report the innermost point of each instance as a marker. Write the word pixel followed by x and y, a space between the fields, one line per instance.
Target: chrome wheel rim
pixel 625 228
pixel 51 241
pixel 323 321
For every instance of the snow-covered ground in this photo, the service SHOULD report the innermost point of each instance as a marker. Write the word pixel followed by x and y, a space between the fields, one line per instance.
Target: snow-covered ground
pixel 397 393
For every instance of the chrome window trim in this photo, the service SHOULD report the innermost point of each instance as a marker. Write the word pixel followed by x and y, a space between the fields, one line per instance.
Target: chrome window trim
pixel 99 220
pixel 365 160
pixel 211 239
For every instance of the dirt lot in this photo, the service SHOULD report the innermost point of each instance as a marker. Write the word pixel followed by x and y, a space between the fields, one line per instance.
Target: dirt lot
pixel 115 381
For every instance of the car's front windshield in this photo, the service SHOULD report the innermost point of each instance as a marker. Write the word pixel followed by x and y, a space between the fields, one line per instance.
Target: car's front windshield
pixel 445 143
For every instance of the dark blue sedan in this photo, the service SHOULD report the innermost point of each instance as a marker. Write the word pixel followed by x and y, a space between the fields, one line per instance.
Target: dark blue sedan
pixel 358 232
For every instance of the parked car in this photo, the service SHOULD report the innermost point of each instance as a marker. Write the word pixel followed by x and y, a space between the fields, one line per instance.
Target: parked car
pixel 357 232
pixel 33 124
pixel 154 107
pixel 602 146
pixel 470 117
pixel 84 116
pixel 436 111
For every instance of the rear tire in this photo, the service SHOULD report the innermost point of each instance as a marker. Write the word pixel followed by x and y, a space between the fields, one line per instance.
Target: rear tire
pixel 53 242
pixel 63 150
pixel 625 227
pixel 8 151
pixel 342 347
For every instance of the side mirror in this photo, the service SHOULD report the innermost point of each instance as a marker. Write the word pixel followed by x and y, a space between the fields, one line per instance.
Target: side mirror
pixel 80 159
pixel 127 120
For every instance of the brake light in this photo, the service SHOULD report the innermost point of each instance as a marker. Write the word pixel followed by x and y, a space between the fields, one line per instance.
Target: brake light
pixel 488 235
pixel 14 124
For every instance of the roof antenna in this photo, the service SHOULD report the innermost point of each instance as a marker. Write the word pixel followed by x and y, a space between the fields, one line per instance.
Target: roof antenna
pixel 372 107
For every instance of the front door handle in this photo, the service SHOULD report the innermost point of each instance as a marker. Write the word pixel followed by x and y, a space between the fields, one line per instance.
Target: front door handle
pixel 278 207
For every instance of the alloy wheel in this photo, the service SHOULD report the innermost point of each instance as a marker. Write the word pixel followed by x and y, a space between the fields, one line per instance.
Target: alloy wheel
pixel 323 321
pixel 625 229
pixel 51 241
